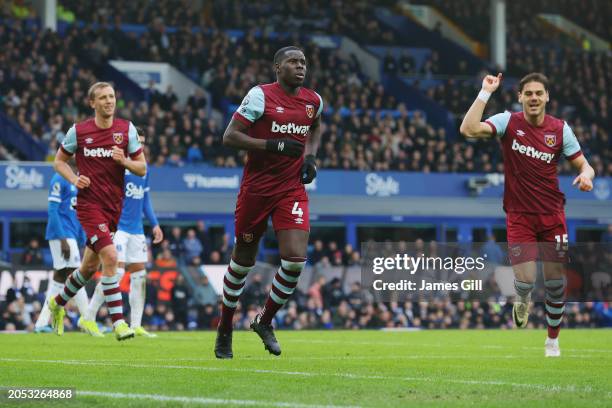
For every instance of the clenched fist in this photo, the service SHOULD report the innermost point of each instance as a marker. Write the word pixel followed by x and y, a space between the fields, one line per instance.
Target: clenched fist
pixel 82 182
pixel 118 155
pixel 490 83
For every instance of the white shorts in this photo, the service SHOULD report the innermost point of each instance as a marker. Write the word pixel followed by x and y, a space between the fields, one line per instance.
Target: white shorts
pixel 131 248
pixel 59 262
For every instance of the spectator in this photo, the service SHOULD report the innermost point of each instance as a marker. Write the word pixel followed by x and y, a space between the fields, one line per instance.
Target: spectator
pixel 33 254
pixel 206 293
pixel 176 243
pixel 193 247
pixel 179 300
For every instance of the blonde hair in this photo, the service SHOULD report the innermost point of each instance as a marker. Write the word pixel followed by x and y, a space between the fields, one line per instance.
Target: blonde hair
pixel 91 94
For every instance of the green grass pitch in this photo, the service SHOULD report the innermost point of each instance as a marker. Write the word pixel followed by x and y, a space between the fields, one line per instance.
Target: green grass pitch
pixel 317 368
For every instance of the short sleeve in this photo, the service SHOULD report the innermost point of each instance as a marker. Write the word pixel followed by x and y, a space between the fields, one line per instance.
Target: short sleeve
pixel 571 147
pixel 252 106
pixel 55 190
pixel 134 147
pixel 320 105
pixel 499 123
pixel 69 144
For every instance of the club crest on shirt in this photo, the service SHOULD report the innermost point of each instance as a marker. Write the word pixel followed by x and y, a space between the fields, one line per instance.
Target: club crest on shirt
pixel 103 227
pixel 118 138
pixel 550 140
pixel 310 111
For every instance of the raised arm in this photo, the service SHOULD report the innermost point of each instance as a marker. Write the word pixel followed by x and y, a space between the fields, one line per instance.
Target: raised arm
pixel 472 125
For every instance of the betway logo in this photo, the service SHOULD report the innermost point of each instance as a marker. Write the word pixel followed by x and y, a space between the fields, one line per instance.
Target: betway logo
pixel 290 128
pixel 97 152
pixel 134 191
pixel 530 151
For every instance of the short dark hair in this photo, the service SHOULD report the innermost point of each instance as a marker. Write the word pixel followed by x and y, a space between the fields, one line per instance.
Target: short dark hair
pixel 278 56
pixel 534 77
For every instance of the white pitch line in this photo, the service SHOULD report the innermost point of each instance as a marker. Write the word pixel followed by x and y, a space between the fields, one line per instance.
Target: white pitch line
pixel 541 387
pixel 436 345
pixel 352 358
pixel 202 400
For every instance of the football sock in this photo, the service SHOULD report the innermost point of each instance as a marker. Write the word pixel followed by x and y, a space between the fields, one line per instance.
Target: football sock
pixel 555 305
pixel 74 282
pixel 137 297
pixel 112 296
pixel 43 318
pixel 233 285
pixel 98 298
pixel 523 289
pixel 283 285
pixel 82 302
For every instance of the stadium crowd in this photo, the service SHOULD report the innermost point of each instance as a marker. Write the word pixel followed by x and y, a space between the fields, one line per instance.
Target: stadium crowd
pixel 366 128
pixel 326 305
pixel 523 24
pixel 328 301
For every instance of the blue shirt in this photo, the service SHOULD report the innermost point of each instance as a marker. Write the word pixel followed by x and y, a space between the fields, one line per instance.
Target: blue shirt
pixel 136 202
pixel 62 220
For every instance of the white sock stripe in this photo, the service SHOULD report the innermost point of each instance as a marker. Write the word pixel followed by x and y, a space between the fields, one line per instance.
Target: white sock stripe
pixel 71 287
pixel 293 266
pixel 277 299
pixel 239 269
pixel 232 292
pixel 554 283
pixel 229 304
pixel 554 299
pixel 64 296
pixel 555 293
pixel 282 287
pixel 286 277
pixel 553 322
pixel 234 280
pixel 79 278
pixel 555 310
pixel 109 280
pixel 115 310
pixel 112 298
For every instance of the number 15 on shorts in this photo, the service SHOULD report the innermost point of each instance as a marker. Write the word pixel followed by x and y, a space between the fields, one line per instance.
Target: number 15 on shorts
pixel 297 211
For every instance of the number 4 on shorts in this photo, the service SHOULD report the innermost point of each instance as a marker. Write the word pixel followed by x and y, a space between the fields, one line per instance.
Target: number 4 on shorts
pixel 297 210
